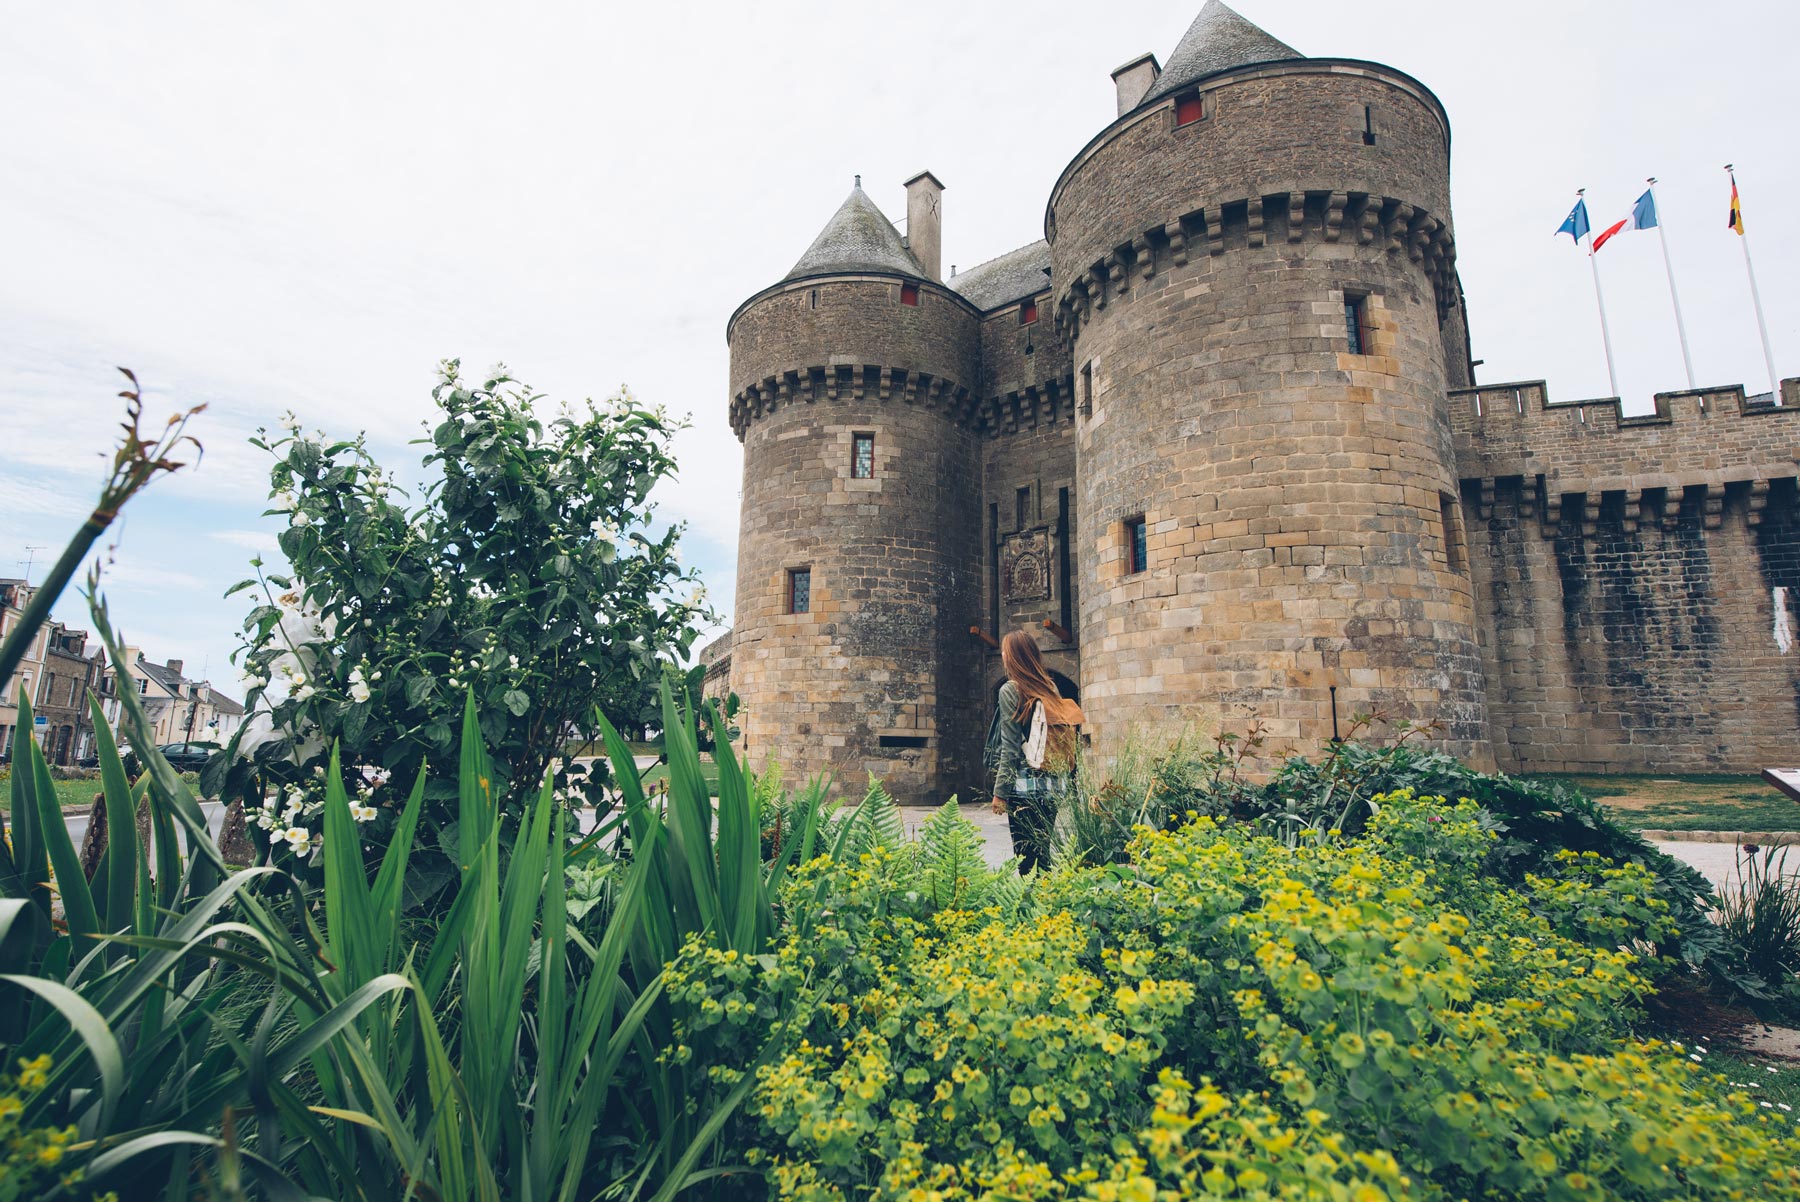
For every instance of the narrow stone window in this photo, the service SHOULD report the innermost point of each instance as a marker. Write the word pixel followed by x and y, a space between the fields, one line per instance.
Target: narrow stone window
pixel 1188 109
pixel 1022 507
pixel 1137 545
pixel 1368 125
pixel 909 294
pixel 799 590
pixel 813 298
pixel 1356 322
pixel 862 456
pixel 1027 312
pixel 1087 389
pixel 1454 556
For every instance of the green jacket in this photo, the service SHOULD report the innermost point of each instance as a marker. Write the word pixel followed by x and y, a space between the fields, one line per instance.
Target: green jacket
pixel 1005 755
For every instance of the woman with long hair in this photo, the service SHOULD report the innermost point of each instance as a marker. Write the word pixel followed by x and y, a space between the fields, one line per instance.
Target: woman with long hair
pixel 1028 795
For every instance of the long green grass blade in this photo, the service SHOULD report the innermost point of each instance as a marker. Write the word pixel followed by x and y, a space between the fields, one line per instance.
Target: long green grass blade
pixel 31 863
pixel 353 943
pixel 102 1046
pixel 71 881
pixel 269 1178
pixel 391 878
pixel 121 826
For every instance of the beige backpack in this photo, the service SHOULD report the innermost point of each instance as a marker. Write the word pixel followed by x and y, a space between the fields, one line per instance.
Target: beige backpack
pixel 1054 736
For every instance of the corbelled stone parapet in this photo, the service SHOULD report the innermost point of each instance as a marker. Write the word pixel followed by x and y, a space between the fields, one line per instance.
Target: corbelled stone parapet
pixel 1273 220
pixel 831 383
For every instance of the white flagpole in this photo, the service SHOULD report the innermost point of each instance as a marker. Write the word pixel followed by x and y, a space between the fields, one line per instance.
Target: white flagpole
pixel 1612 376
pixel 1762 327
pixel 1687 360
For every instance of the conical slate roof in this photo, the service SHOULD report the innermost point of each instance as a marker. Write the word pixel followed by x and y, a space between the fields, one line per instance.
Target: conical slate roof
pixel 1218 40
pixel 859 237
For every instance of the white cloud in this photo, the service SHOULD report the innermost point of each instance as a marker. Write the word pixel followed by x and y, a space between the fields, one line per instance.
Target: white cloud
pixel 264 207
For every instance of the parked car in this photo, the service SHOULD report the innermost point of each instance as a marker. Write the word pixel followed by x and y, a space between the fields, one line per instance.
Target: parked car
pixel 188 757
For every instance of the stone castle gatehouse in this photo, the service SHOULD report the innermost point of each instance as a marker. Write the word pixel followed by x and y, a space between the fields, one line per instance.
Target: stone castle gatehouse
pixel 1215 441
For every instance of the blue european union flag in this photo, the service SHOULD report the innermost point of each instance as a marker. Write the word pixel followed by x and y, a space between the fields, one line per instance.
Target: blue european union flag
pixel 1576 223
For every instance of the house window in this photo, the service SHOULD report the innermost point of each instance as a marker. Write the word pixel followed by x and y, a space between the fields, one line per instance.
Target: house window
pixel 1022 507
pixel 1188 109
pixel 799 590
pixel 1356 323
pixel 909 294
pixel 1027 312
pixel 143 685
pixel 1137 545
pixel 862 456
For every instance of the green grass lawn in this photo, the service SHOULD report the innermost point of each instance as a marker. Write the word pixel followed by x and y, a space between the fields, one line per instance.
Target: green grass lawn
pixel 1770 1081
pixel 1698 802
pixel 70 794
pixel 710 770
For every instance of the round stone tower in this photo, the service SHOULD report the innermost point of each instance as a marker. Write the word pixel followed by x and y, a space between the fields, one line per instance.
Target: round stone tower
pixel 858 557
pixel 1255 264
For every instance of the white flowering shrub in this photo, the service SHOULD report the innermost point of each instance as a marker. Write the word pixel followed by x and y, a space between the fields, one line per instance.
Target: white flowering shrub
pixel 529 573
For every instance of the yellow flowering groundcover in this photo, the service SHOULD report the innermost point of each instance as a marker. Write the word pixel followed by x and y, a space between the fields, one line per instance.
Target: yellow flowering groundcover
pixel 1228 1016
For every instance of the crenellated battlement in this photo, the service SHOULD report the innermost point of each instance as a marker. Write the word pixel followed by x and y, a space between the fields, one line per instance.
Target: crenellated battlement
pixel 833 382
pixel 1276 218
pixel 1697 439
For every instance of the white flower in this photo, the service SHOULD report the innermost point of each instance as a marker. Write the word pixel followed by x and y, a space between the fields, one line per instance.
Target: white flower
pixel 513 660
pixel 446 371
pixel 497 373
pixel 300 519
pixel 359 692
pixel 299 839
pixel 284 502
pixel 1694 1058
pixel 362 813
pixel 604 529
pixel 699 595
pixel 304 693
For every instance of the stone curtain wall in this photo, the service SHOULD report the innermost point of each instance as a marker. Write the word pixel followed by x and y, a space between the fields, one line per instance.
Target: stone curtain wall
pixel 1627 568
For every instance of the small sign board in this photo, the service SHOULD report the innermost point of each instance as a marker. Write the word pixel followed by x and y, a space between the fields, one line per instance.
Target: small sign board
pixel 1785 779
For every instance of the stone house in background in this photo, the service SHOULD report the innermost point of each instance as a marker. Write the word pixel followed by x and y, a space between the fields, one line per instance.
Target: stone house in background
pixel 15 595
pixel 182 710
pixel 70 672
pixel 1216 442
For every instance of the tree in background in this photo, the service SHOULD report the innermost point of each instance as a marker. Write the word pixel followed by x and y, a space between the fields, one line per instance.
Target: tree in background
pixel 527 574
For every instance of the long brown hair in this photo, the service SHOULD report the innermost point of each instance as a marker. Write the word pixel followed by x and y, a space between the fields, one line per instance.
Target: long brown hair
pixel 1024 666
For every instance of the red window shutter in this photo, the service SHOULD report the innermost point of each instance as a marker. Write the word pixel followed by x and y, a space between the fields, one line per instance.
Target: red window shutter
pixel 1027 312
pixel 1187 110
pixel 909 294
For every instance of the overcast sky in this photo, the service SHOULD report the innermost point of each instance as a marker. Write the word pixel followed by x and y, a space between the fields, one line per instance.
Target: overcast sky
pixel 267 207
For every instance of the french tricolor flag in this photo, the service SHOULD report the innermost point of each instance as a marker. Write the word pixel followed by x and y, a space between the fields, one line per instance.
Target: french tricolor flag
pixel 1643 217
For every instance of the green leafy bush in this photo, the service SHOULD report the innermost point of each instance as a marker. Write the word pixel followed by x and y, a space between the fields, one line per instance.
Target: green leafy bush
pixel 1229 1015
pixel 528 575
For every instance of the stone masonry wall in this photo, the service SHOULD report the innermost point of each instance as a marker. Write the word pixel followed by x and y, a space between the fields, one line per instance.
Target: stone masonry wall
pixel 1628 569
pixel 1300 501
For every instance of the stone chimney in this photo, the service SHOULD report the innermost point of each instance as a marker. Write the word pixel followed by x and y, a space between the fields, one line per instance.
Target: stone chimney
pixel 1134 79
pixel 925 222
pixel 174 666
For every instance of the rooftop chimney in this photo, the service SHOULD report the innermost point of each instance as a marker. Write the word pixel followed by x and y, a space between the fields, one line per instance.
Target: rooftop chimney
pixel 925 222
pixel 175 666
pixel 1134 79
